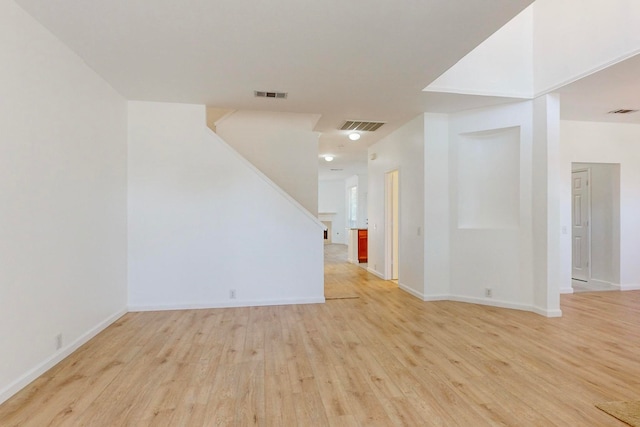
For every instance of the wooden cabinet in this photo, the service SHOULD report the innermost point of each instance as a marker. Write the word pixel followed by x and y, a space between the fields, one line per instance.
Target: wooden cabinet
pixel 362 245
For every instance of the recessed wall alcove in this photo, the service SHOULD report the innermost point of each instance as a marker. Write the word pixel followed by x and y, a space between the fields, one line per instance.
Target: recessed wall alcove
pixel 489 179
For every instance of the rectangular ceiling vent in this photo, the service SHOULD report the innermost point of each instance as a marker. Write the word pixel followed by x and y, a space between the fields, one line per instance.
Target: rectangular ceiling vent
pixel 361 126
pixel 264 94
pixel 622 111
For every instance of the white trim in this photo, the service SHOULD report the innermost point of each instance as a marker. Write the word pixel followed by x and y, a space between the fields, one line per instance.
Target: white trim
pixel 630 287
pixel 428 298
pixel 421 296
pixel 375 273
pixel 514 95
pixel 603 283
pixel 266 179
pixel 225 304
pixel 411 291
pixel 566 290
pixel 594 70
pixel 491 302
pixel 482 301
pixel 59 355
pixel 390 222
pixel 547 313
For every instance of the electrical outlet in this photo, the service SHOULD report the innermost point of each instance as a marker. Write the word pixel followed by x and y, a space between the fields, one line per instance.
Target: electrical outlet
pixel 232 294
pixel 58 341
pixel 488 292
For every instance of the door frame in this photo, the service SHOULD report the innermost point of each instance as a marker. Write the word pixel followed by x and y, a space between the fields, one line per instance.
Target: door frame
pixel 589 184
pixel 391 227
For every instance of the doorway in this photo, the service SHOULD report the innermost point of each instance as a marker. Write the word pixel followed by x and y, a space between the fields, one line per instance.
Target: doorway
pixel 392 216
pixel 595 227
pixel 580 225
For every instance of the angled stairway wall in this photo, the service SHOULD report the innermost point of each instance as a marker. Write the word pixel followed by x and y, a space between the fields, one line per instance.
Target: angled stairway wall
pixel 281 145
pixel 204 222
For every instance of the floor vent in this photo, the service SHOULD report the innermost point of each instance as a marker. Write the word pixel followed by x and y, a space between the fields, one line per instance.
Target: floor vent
pixel 263 94
pixel 361 126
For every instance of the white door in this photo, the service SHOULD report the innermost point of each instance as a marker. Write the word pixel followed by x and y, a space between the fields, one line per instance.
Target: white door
pixel 580 229
pixel 391 225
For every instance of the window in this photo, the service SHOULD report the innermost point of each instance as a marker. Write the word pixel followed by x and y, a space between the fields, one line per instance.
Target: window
pixel 353 207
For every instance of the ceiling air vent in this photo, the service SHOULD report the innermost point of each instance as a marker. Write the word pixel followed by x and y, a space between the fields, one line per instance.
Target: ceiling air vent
pixel 361 126
pixel 264 94
pixel 622 111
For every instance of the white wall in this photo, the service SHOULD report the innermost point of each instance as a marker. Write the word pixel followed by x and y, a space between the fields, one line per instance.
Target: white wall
pixel 548 45
pixel 489 249
pixel 362 183
pixel 363 197
pixel 574 38
pixel 489 256
pixel 590 142
pixel 204 221
pixel 436 207
pixel 402 150
pixel 480 185
pixel 282 145
pixel 604 188
pixel 331 203
pixel 502 65
pixel 545 206
pixel 63 244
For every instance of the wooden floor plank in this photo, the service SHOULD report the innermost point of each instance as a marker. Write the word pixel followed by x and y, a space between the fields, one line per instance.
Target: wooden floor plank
pixel 381 358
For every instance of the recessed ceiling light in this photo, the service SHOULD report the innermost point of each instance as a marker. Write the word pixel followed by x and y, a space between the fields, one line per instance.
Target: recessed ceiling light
pixel 354 136
pixel 328 158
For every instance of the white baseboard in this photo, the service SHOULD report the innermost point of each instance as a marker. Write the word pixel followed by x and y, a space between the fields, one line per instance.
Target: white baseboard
pixel 61 354
pixel 566 290
pixel 411 291
pixel 481 301
pixel 422 296
pixel 547 313
pixel 436 298
pixel 375 273
pixel 491 302
pixel 605 284
pixel 510 305
pixel 224 304
pixel 629 287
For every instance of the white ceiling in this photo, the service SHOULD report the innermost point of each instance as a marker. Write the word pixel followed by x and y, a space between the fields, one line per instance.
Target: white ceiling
pixel 592 97
pixel 356 60
pixel 345 60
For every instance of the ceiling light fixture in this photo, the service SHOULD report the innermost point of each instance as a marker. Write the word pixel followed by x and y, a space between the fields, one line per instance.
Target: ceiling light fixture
pixel 328 158
pixel 354 136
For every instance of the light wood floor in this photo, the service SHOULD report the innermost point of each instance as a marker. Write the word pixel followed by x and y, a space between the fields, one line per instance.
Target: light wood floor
pixel 384 358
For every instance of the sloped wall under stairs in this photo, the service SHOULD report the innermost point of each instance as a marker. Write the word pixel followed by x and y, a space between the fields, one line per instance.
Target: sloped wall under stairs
pixel 204 223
